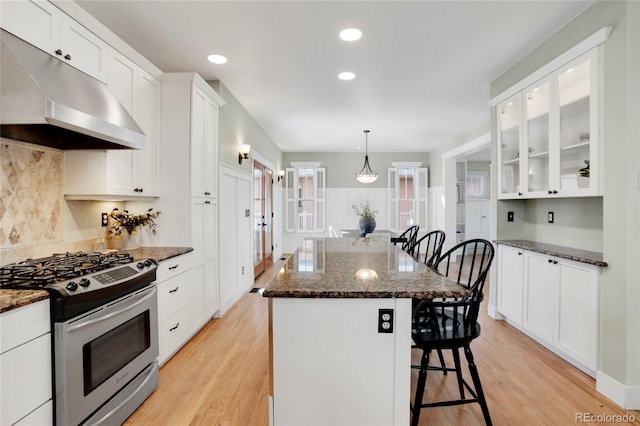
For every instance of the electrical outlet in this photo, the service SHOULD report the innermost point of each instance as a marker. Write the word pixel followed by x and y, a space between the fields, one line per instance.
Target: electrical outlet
pixel 104 219
pixel 550 217
pixel 385 321
pixel 509 216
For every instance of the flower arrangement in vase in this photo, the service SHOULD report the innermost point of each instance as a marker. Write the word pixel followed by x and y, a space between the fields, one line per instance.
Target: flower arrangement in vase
pixel 125 221
pixel 367 221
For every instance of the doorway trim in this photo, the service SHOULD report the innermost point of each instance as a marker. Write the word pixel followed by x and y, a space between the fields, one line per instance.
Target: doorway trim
pixel 449 181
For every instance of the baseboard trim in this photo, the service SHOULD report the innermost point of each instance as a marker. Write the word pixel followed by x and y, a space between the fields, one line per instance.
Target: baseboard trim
pixel 627 397
pixel 492 311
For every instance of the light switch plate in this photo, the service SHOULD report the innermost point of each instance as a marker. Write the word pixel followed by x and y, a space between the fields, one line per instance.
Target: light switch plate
pixel 550 217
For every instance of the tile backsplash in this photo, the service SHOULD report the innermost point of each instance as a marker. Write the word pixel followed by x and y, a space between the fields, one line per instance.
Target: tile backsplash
pixel 31 194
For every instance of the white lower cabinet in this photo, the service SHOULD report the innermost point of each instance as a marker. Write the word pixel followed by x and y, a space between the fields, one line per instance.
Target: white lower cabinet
pixel 25 366
pixel 540 286
pixel 177 294
pixel 558 305
pixel 511 282
pixel 576 332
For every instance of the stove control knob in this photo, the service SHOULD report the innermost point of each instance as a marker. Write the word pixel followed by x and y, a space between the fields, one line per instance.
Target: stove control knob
pixel 148 262
pixel 72 286
pixel 140 265
pixel 85 282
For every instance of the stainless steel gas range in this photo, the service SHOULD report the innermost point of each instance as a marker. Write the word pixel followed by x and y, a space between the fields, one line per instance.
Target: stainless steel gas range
pixel 105 331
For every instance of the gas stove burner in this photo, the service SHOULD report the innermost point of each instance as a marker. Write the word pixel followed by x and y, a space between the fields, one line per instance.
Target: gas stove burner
pixel 58 267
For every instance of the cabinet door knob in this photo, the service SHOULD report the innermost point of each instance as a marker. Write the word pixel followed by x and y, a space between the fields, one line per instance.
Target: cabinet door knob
pixel 555 262
pixel 141 190
pixel 58 52
pixel 550 261
pixel 550 192
pixel 555 192
pixel 207 193
pixel 207 202
pixel 519 253
pixel 67 57
pixel 519 193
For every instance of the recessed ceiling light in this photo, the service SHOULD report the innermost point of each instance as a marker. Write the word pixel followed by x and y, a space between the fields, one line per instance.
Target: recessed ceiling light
pixel 347 75
pixel 217 59
pixel 350 34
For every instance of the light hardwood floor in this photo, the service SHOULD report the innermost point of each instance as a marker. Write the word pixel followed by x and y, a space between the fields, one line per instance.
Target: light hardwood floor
pixel 221 377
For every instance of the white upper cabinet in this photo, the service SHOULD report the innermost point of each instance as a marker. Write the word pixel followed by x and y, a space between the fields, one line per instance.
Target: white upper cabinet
pixel 46 27
pixel 125 174
pixel 204 144
pixel 509 142
pixel 548 135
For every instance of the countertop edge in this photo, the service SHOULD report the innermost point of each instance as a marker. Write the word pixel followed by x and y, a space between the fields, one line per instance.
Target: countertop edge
pixel 578 255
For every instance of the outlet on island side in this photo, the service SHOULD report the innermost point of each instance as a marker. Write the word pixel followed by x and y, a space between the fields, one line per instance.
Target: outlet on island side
pixel 550 217
pixel 104 219
pixel 509 216
pixel 385 321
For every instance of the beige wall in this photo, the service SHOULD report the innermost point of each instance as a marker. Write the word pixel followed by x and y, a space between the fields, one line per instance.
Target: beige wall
pixel 237 127
pixel 619 345
pixel 342 166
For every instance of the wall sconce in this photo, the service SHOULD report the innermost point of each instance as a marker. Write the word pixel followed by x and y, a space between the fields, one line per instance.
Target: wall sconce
pixel 280 175
pixel 245 149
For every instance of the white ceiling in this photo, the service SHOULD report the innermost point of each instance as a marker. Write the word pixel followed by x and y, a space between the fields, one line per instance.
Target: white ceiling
pixel 423 67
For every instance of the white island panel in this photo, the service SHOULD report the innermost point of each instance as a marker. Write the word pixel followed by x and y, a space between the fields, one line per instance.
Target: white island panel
pixel 331 366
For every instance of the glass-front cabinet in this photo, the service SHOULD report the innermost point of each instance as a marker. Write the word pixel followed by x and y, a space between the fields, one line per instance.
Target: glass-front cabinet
pixel 509 142
pixel 548 135
pixel 578 122
pixel 537 107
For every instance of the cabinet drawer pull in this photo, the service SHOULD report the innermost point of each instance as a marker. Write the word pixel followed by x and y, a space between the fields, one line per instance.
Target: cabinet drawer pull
pixel 173 267
pixel 174 327
pixel 174 290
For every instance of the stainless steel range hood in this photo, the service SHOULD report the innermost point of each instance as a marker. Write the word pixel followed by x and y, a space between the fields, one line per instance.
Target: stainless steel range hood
pixel 48 102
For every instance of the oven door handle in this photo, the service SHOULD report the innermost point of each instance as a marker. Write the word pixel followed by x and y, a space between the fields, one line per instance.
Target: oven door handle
pixel 133 394
pixel 84 324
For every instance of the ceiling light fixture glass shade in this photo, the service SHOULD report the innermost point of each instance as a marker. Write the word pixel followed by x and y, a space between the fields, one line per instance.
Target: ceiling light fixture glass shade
pixel 366 175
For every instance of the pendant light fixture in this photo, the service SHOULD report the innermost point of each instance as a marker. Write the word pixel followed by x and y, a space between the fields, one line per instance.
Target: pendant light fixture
pixel 366 175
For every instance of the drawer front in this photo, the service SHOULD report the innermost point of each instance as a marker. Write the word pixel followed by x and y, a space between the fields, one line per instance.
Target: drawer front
pixel 43 416
pixel 171 267
pixel 173 295
pixel 174 332
pixel 20 325
pixel 26 379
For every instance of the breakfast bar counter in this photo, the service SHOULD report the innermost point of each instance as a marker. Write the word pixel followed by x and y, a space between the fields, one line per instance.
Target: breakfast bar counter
pixel 340 331
pixel 358 268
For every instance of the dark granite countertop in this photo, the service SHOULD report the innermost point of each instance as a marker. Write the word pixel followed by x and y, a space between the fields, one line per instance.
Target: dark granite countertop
pixel 12 298
pixel 158 253
pixel 584 256
pixel 338 268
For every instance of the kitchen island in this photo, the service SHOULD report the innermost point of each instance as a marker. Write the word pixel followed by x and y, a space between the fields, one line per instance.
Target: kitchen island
pixel 340 332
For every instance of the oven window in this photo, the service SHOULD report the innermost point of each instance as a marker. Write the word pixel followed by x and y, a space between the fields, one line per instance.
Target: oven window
pixel 106 355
